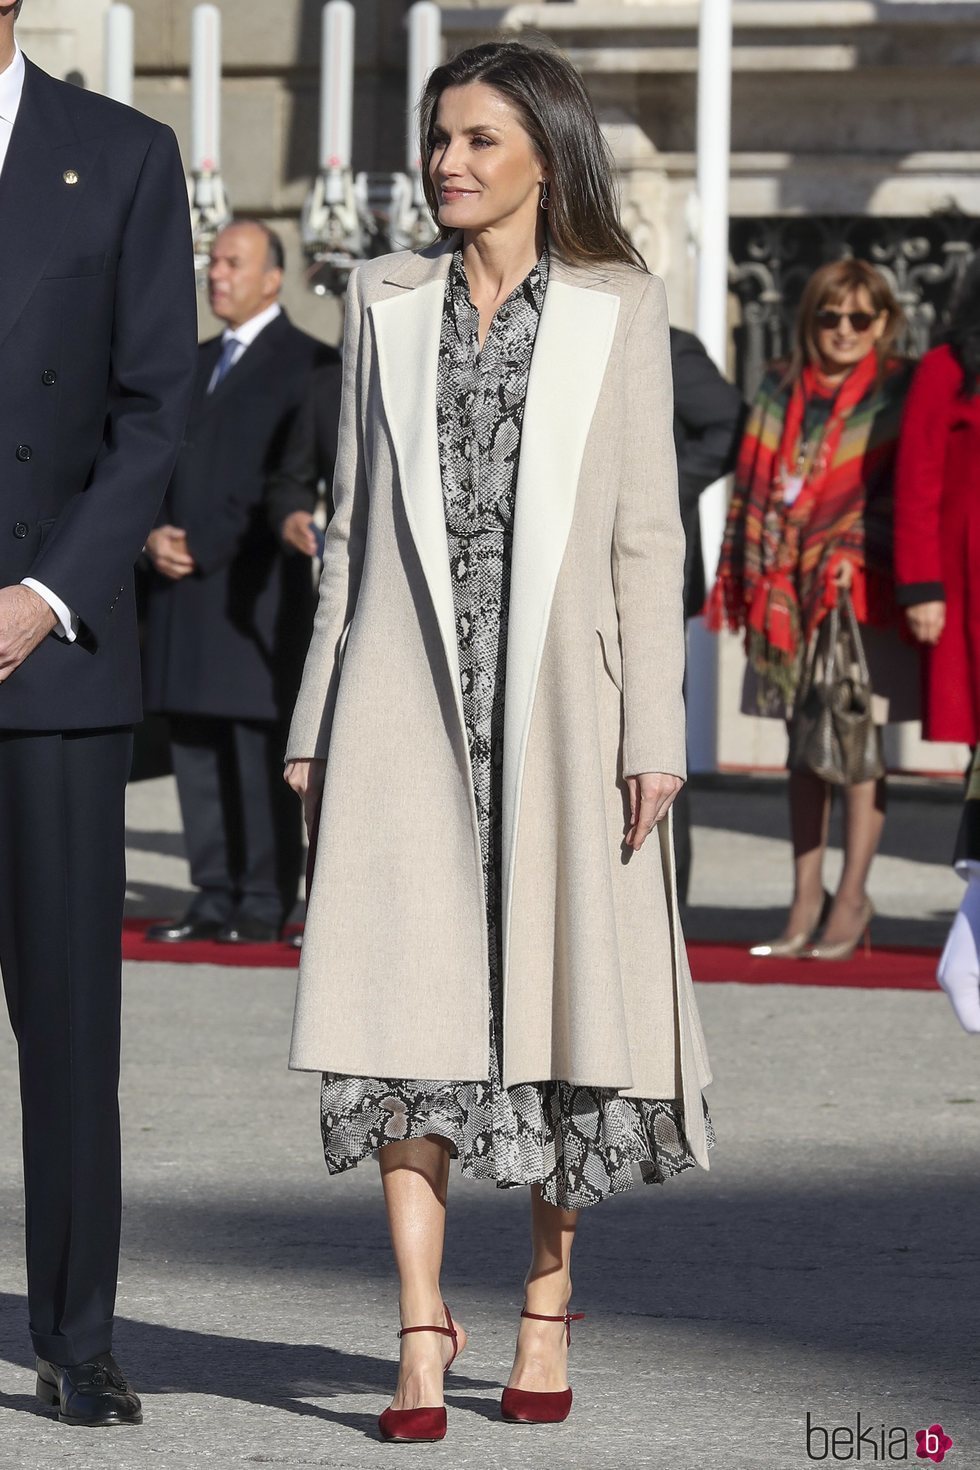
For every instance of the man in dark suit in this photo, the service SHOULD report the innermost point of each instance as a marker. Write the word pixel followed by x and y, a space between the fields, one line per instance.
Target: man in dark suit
pixel 709 414
pixel 98 325
pixel 228 616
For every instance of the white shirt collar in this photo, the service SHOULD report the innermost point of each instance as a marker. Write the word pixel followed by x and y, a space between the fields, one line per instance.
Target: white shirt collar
pixel 12 87
pixel 248 331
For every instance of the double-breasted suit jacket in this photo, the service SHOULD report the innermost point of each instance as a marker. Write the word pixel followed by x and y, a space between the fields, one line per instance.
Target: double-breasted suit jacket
pixel 97 337
pixel 229 641
pixel 394 971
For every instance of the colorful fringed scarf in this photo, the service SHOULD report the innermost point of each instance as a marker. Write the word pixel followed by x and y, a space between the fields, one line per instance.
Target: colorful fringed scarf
pixel 778 560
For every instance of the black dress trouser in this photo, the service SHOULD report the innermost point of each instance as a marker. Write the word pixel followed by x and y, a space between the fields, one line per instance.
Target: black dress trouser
pixel 242 824
pixel 62 886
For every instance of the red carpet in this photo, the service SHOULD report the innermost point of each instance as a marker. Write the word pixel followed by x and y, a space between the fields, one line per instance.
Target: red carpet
pixel 205 951
pixel 883 969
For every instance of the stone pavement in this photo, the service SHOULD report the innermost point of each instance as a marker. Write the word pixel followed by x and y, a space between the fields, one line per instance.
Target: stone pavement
pixel 827 1265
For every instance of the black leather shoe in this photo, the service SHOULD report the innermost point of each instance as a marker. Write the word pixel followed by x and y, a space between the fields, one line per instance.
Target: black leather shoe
pixel 94 1393
pixel 183 931
pixel 243 930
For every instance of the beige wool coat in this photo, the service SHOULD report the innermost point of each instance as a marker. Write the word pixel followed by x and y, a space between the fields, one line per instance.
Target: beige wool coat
pixel 394 973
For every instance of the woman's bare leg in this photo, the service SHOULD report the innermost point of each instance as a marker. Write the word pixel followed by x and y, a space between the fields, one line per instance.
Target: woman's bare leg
pixel 809 820
pixel 415 1176
pixel 541 1360
pixel 864 819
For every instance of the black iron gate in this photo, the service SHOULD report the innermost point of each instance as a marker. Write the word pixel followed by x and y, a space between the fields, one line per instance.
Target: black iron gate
pixel 771 259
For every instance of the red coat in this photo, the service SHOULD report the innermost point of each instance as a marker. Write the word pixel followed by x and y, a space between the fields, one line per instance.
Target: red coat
pixel 937 539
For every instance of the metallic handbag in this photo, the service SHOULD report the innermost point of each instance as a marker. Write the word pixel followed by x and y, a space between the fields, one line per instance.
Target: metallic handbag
pixel 832 733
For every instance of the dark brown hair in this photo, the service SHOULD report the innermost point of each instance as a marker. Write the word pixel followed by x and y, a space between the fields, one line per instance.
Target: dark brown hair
pixel 828 287
pixel 963 332
pixel 554 107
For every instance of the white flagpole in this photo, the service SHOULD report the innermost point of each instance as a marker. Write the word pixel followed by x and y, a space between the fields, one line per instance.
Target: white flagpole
pixel 711 223
pixel 119 53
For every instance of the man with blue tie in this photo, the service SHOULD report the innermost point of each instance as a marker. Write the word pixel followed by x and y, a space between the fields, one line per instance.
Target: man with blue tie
pixel 228 613
pixel 96 372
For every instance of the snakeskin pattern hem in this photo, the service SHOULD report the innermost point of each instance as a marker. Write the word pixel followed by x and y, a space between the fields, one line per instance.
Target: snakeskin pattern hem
pixel 580 1144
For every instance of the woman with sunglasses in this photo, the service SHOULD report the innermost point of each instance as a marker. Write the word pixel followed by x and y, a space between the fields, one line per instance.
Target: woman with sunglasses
pixel 811 515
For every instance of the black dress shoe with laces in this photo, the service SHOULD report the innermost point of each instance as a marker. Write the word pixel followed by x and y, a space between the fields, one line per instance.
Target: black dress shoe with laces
pixel 94 1393
pixel 184 931
pixel 245 930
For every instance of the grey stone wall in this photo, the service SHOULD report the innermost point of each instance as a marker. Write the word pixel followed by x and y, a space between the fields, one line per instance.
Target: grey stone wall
pixel 270 108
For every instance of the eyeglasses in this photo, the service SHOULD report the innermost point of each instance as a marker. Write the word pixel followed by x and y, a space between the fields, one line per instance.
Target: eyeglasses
pixel 829 321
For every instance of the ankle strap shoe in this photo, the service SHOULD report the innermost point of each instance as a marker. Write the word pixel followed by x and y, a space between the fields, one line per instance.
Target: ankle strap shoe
pixel 521 1405
pixel 420 1425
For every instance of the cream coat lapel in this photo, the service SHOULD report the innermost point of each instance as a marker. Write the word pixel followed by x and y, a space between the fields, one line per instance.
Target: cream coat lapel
pixel 575 335
pixel 407 329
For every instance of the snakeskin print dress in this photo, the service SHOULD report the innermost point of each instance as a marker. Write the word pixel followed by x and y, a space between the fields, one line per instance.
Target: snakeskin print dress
pixel 579 1143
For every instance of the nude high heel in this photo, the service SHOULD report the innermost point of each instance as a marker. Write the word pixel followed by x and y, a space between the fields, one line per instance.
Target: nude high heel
pixel 421 1424
pixel 846 947
pixel 521 1406
pixel 786 949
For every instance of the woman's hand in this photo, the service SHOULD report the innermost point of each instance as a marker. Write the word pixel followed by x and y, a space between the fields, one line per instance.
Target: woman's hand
pixel 927 621
pixel 306 779
pixel 651 797
pixel 844 575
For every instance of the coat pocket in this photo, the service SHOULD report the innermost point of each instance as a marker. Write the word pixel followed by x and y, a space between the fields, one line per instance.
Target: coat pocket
pixel 342 645
pixel 612 658
pixel 69 267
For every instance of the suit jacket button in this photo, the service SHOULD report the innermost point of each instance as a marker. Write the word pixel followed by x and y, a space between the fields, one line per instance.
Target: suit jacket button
pixel 49 377
pixel 23 452
pixel 21 530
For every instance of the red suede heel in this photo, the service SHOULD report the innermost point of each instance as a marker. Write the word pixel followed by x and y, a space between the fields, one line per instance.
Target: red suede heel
pixel 521 1406
pixel 420 1424
pixel 413 1424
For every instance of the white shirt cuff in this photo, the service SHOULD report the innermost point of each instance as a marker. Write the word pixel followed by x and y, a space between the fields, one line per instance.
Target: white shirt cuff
pixel 66 618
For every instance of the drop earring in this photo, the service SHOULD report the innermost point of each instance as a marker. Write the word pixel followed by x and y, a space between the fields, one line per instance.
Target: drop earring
pixel 545 196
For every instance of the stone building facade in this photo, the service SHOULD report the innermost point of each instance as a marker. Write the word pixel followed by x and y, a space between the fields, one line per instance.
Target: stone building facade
pixel 853 128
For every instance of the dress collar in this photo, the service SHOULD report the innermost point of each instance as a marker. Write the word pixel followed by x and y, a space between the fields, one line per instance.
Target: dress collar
pixel 532 288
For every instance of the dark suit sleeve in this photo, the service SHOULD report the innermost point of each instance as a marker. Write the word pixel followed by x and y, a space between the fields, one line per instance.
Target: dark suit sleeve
pixel 215 539
pixel 89 555
pixel 310 451
pixel 216 533
pixel 712 412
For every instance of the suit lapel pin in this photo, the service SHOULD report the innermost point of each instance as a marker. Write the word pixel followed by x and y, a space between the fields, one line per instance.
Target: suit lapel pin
pixel 70 176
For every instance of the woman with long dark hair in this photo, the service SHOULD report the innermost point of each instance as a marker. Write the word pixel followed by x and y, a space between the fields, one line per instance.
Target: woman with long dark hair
pixel 493 967
pixel 811 515
pixel 937 521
